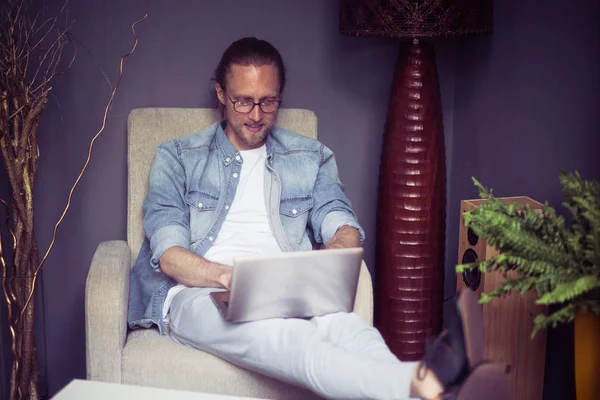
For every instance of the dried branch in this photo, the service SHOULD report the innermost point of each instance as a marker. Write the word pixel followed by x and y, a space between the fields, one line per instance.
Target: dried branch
pixel 8 293
pixel 70 62
pixel 57 45
pixel 33 48
pixel 31 53
pixel 80 43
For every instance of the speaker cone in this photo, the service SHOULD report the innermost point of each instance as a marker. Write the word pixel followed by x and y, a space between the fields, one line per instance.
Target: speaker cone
pixel 471 277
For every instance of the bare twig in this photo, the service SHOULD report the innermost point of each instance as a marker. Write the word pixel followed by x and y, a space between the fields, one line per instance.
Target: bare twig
pixel 59 109
pixel 70 63
pixel 80 43
pixel 33 48
pixel 42 62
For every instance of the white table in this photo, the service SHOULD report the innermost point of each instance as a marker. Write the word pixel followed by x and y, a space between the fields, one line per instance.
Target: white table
pixel 91 390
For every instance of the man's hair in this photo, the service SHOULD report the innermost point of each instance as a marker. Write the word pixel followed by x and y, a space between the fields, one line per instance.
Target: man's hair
pixel 249 51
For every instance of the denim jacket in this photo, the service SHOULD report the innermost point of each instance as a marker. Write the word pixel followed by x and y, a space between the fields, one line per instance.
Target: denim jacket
pixel 193 181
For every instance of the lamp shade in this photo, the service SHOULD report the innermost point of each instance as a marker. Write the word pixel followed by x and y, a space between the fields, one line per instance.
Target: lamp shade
pixel 416 18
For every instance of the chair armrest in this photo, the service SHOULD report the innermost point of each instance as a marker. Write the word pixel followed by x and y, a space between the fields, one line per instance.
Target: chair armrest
pixel 106 299
pixel 363 305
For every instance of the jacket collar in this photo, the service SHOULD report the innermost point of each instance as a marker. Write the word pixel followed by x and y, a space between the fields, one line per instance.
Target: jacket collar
pixel 228 152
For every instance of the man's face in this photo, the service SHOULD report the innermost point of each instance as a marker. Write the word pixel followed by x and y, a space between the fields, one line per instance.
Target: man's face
pixel 255 84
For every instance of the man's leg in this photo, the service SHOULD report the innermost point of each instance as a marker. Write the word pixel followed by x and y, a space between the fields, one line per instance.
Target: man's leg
pixel 292 350
pixel 351 332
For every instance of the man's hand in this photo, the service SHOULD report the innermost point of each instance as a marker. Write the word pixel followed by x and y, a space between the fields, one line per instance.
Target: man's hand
pixel 225 276
pixel 193 270
pixel 345 237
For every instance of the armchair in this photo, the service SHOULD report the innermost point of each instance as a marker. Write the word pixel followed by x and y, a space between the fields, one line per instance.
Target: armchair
pixel 117 354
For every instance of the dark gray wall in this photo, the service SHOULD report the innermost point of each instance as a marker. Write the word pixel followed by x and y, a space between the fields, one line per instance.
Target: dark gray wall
pixel 513 91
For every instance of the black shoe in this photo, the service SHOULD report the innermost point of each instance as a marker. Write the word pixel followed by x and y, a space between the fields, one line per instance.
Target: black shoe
pixel 456 356
pixel 446 356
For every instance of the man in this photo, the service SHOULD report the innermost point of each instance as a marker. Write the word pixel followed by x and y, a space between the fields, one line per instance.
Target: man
pixel 244 186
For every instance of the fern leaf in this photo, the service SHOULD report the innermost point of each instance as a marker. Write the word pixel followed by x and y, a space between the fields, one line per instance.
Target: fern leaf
pixel 567 291
pixel 564 315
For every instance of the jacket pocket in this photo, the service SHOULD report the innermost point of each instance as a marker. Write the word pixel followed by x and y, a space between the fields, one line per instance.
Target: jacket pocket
pixel 202 213
pixel 295 206
pixel 201 201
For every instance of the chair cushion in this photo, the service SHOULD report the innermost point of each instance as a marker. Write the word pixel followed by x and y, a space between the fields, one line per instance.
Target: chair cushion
pixel 150 359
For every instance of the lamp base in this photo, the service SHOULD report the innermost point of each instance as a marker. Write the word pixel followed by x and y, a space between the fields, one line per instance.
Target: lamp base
pixel 409 269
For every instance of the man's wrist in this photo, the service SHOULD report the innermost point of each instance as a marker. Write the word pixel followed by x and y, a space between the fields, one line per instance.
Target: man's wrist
pixel 346 236
pixel 224 273
pixel 334 221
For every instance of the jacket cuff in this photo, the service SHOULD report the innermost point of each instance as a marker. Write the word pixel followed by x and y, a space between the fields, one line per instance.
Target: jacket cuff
pixel 165 238
pixel 334 220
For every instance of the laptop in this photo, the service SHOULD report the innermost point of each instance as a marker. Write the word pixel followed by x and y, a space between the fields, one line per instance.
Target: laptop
pixel 299 284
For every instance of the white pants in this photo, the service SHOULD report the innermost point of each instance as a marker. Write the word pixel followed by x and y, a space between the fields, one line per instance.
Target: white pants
pixel 337 355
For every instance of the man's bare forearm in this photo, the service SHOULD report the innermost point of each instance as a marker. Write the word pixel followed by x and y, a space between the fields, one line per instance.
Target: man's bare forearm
pixel 193 270
pixel 345 237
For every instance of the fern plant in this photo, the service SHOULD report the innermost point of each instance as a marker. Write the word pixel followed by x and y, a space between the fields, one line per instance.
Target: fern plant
pixel 559 260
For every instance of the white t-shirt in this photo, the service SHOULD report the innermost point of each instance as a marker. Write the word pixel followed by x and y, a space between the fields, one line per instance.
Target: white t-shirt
pixel 245 230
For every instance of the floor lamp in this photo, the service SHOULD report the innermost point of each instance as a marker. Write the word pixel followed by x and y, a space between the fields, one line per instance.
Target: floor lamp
pixel 409 270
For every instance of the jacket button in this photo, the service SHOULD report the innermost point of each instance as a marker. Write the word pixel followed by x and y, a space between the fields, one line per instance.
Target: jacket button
pixel 235 175
pixel 211 238
pixel 294 211
pixel 237 158
pixel 200 205
pixel 227 207
pixel 227 159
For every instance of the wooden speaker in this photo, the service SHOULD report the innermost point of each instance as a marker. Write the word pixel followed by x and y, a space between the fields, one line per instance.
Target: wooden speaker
pixel 508 321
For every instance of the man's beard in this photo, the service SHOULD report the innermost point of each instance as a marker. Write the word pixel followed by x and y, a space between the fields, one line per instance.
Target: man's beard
pixel 252 139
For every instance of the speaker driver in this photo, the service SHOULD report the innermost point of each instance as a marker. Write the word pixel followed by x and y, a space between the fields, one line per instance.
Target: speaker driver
pixel 471 277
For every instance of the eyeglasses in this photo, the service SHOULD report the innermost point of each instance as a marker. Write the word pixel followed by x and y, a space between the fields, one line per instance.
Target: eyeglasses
pixel 245 106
